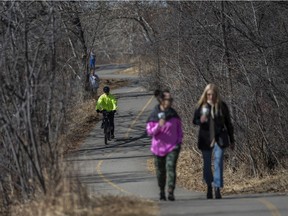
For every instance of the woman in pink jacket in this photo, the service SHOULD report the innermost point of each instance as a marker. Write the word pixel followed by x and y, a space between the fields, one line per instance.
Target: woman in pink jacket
pixel 164 125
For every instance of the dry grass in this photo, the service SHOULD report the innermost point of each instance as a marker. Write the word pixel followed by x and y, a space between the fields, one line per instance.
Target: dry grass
pixel 239 183
pixel 71 198
pixel 84 118
pixel 189 175
pixel 113 205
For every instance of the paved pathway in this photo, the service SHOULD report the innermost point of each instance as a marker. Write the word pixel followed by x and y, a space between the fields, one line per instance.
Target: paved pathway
pixel 120 168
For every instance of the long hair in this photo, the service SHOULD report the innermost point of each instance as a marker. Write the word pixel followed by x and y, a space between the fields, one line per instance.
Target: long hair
pixel 203 99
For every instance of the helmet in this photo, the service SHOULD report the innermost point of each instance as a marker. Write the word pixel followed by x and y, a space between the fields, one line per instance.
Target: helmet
pixel 106 89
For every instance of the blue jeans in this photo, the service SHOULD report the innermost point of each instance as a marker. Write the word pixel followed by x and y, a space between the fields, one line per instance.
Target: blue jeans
pixel 217 180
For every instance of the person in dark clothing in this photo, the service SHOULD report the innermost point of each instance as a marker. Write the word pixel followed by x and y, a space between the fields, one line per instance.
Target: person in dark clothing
pixel 213 117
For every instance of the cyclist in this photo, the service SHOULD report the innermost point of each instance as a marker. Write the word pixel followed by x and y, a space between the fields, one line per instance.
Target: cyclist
pixel 109 103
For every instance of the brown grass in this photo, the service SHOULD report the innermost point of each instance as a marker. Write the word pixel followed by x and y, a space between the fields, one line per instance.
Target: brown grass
pixel 71 198
pixel 113 205
pixel 189 175
pixel 84 118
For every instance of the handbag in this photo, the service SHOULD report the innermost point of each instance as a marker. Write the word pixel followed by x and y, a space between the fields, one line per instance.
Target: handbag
pixel 224 140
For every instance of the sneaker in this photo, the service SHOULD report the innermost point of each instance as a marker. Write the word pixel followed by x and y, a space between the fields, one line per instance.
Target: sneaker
pixel 112 136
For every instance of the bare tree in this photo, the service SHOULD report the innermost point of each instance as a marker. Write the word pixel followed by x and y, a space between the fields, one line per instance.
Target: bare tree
pixel 37 87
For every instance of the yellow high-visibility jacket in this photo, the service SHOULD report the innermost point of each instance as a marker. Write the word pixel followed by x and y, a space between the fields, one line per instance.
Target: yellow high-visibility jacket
pixel 106 102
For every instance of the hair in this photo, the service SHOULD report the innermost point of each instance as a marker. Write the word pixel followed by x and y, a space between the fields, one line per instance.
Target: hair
pixel 203 99
pixel 106 89
pixel 160 95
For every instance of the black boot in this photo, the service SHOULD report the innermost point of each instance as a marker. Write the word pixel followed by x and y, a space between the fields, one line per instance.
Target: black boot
pixel 209 192
pixel 162 195
pixel 217 193
pixel 171 196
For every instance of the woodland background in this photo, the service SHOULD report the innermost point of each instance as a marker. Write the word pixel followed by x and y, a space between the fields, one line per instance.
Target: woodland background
pixel 44 48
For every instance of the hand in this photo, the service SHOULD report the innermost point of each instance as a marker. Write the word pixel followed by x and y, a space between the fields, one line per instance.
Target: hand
pixel 203 119
pixel 98 111
pixel 161 122
pixel 232 146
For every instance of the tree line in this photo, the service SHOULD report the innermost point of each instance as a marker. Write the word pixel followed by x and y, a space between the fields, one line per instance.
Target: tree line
pixel 239 46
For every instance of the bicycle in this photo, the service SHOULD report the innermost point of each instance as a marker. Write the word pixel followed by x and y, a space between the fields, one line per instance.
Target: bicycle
pixel 106 126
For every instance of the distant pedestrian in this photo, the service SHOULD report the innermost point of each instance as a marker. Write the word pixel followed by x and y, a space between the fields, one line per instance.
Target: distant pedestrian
pixel 164 125
pixel 213 117
pixel 94 82
pixel 92 62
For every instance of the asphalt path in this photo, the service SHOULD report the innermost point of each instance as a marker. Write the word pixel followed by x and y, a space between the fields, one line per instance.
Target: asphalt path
pixel 120 168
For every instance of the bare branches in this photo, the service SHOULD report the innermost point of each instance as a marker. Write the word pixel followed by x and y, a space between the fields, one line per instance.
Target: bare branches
pixel 33 92
pixel 240 46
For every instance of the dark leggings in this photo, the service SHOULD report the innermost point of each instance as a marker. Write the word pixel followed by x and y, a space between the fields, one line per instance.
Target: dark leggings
pixel 111 119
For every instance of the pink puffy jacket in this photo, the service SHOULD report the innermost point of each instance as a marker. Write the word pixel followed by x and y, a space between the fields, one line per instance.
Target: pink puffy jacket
pixel 165 138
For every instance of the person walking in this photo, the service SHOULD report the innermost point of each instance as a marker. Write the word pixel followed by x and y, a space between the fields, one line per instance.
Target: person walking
pixel 213 117
pixel 92 62
pixel 164 125
pixel 107 102
pixel 94 82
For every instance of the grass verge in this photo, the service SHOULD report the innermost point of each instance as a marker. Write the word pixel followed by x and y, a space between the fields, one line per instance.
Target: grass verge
pixel 189 175
pixel 71 198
